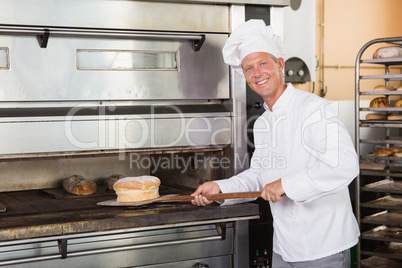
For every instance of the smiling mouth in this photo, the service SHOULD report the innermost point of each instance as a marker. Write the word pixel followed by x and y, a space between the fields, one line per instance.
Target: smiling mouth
pixel 262 82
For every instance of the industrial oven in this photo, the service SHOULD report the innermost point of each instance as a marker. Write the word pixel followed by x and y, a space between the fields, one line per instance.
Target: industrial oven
pixel 96 88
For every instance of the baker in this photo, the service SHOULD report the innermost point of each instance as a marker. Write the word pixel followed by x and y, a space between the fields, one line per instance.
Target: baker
pixel 314 225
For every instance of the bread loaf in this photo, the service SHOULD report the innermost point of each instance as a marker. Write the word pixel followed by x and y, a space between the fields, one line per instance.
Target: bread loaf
pixel 394 117
pixel 382 152
pixel 376 117
pixel 398 104
pixel 383 88
pixel 380 102
pixel 396 149
pixel 399 88
pixel 398 154
pixel 388 52
pixel 79 185
pixel 110 181
pixel 141 188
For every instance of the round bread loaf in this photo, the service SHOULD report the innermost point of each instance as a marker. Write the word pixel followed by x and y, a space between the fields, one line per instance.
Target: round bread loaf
pixel 380 102
pixel 398 104
pixel 141 188
pixel 376 117
pixel 382 152
pixel 399 88
pixel 383 88
pixel 388 52
pixel 111 180
pixel 79 185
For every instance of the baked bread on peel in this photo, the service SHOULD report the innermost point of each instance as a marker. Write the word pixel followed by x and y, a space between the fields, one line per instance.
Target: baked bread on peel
pixel 130 189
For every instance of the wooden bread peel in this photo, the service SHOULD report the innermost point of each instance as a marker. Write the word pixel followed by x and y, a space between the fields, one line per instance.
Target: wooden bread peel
pixel 180 198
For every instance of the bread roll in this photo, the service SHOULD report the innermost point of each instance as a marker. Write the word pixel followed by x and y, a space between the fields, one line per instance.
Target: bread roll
pixel 398 154
pixel 396 149
pixel 380 102
pixel 388 52
pixel 79 185
pixel 376 117
pixel 394 117
pixel 399 88
pixel 398 104
pixel 383 88
pixel 141 188
pixel 111 180
pixel 382 152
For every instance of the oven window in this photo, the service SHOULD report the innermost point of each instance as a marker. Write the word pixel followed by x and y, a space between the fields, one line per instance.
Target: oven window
pixel 126 60
pixel 4 62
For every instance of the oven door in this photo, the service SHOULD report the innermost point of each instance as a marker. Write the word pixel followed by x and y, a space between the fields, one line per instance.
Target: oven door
pixel 161 246
pixel 83 67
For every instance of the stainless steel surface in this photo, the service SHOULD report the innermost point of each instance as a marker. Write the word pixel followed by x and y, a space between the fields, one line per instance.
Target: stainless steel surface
pixel 159 244
pixel 57 118
pixel 109 14
pixel 52 74
pixel 113 133
pixel 238 103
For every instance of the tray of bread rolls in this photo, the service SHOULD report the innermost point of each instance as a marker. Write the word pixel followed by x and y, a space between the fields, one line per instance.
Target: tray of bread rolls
pixel 383 112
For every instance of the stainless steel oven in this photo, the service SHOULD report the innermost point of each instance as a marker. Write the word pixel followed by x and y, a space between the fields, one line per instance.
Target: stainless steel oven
pixel 119 87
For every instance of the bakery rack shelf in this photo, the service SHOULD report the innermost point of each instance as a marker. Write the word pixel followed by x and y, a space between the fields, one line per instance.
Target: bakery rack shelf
pixel 392 77
pixel 389 218
pixel 380 174
pixel 384 186
pixel 390 109
pixel 391 250
pixel 380 93
pixel 388 202
pixel 389 61
pixel 376 157
pixel 384 123
pixel 384 233
pixel 380 262
pixel 379 183
pixel 381 141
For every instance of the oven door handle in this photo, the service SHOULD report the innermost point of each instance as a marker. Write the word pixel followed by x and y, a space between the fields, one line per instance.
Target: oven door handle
pixel 44 33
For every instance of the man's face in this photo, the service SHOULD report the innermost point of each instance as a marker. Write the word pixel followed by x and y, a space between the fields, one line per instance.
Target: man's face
pixel 263 74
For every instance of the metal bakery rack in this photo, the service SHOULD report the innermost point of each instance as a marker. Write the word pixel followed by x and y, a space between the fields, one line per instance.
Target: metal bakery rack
pixel 379 184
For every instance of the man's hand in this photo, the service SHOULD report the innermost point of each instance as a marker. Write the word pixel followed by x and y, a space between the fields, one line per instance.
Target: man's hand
pixel 206 188
pixel 273 191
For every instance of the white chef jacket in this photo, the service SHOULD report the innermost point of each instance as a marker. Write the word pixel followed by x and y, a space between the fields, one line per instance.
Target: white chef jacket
pixel 303 142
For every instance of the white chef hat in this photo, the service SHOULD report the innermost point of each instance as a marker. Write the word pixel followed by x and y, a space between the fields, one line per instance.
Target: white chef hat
pixel 249 37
